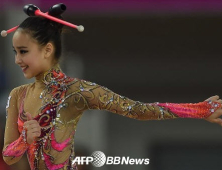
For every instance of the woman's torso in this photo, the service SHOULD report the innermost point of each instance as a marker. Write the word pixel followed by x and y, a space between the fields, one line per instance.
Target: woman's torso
pixel 57 107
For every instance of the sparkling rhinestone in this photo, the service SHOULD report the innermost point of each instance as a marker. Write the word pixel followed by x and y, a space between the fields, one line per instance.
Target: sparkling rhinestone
pixel 47 111
pixel 81 88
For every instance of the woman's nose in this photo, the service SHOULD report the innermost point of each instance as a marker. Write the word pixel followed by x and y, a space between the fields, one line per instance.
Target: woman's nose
pixel 18 60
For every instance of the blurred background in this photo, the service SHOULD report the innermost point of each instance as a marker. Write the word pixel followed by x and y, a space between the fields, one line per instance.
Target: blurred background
pixel 147 50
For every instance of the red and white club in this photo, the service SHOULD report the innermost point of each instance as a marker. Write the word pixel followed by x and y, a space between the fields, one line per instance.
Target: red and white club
pixel 33 10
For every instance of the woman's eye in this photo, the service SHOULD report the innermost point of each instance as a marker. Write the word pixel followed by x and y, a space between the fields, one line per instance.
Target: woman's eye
pixel 23 51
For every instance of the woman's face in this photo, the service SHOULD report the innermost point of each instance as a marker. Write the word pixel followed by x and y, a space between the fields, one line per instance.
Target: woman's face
pixel 29 55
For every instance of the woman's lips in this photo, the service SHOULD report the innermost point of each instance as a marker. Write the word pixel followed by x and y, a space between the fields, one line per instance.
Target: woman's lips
pixel 24 68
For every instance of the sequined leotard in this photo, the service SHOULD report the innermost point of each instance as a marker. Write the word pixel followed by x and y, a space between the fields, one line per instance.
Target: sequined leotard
pixel 57 103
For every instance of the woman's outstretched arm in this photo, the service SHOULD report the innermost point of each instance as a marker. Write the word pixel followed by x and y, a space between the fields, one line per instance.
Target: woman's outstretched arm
pixel 15 144
pixel 99 97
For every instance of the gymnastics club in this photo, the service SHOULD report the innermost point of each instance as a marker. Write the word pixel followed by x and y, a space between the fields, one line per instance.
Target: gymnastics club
pixel 33 10
pixel 5 33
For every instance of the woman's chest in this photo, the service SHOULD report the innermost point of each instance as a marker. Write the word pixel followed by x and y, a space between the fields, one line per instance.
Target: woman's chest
pixel 32 102
pixel 47 105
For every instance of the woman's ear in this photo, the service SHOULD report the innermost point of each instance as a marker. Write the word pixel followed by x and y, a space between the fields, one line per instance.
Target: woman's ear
pixel 49 50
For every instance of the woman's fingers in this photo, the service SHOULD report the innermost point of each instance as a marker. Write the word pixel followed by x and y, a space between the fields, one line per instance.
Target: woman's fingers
pixel 213 98
pixel 219 101
pixel 29 116
pixel 218 121
pixel 33 129
pixel 32 137
pixel 32 126
pixel 34 134
pixel 31 122
pixel 215 115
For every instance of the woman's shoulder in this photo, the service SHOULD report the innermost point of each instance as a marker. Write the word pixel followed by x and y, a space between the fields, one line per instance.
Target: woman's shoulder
pixel 19 90
pixel 83 82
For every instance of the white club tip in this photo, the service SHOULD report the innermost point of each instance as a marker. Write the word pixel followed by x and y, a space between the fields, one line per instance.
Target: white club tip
pixel 4 33
pixel 80 28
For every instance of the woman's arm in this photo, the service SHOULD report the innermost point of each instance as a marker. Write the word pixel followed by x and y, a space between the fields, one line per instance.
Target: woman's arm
pixel 99 97
pixel 14 143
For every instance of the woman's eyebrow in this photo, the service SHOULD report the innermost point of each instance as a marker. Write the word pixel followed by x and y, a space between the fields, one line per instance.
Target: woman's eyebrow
pixel 19 47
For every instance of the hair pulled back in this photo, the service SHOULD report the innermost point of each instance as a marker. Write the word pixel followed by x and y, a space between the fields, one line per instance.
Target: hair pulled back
pixel 44 31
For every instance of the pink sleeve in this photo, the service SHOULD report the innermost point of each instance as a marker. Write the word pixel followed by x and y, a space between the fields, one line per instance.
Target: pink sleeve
pixel 14 142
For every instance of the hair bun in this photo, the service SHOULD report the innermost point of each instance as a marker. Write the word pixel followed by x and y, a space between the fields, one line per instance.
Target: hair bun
pixel 30 9
pixel 57 10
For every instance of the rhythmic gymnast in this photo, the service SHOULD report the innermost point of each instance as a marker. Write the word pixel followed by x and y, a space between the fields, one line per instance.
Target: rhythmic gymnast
pixel 42 116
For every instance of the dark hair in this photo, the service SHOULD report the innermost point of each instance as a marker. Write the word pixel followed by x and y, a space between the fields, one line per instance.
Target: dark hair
pixel 43 31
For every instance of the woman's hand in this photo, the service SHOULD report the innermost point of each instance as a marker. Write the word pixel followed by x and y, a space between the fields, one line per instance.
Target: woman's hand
pixel 33 128
pixel 215 117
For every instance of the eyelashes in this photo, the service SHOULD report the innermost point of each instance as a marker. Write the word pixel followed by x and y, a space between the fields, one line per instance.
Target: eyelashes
pixel 20 51
pixel 23 51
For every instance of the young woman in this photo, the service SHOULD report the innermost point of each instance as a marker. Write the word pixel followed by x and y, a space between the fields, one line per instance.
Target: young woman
pixel 42 116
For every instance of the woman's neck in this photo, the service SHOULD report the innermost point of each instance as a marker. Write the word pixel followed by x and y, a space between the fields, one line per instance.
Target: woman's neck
pixel 39 79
